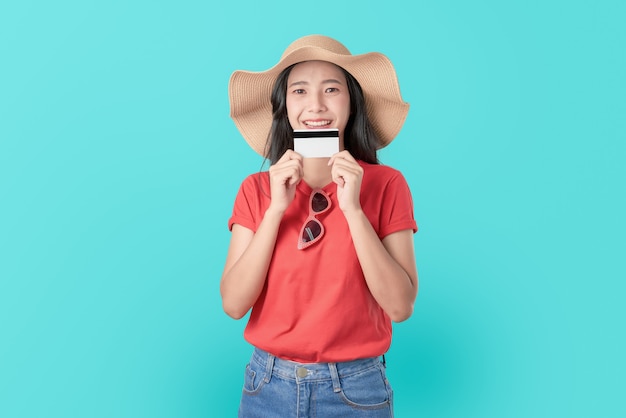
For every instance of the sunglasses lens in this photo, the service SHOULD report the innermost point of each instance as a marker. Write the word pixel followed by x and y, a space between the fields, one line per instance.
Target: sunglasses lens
pixel 311 231
pixel 319 202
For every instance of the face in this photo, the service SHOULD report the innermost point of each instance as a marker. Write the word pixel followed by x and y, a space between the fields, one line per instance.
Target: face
pixel 318 97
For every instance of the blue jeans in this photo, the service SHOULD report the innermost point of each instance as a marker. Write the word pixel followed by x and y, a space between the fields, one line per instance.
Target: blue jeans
pixel 276 388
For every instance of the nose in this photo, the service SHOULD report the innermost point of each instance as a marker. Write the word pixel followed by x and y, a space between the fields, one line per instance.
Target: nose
pixel 317 103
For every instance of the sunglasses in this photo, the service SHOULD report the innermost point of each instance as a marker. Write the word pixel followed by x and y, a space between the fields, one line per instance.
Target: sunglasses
pixel 313 230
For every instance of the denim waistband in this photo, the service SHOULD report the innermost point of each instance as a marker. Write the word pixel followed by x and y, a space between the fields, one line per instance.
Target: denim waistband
pixel 310 372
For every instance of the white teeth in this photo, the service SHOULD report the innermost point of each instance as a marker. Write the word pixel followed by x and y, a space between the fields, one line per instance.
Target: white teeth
pixel 317 123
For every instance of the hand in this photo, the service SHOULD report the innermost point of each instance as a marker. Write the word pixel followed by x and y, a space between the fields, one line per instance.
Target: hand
pixel 284 177
pixel 348 175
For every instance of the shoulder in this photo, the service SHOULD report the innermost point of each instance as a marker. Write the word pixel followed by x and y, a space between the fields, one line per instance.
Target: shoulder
pixel 251 201
pixel 255 182
pixel 254 188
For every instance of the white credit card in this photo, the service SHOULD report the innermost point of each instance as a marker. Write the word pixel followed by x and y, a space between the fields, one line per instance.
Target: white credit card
pixel 316 143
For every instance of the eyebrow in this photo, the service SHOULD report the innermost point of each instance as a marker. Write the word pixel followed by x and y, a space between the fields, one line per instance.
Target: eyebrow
pixel 329 81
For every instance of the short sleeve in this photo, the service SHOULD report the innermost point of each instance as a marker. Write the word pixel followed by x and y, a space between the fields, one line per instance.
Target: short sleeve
pixel 250 203
pixel 396 212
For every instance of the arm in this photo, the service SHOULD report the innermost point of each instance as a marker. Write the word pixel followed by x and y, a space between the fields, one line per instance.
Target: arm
pixel 250 253
pixel 247 262
pixel 388 265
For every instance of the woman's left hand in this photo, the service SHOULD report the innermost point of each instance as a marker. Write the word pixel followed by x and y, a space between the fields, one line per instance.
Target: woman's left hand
pixel 348 175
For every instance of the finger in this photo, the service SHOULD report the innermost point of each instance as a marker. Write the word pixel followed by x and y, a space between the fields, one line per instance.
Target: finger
pixel 346 173
pixel 342 155
pixel 346 164
pixel 287 173
pixel 285 163
pixel 296 175
pixel 346 168
pixel 290 155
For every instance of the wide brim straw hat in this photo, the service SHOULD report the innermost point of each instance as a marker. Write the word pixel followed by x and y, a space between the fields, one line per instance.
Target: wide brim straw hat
pixel 250 92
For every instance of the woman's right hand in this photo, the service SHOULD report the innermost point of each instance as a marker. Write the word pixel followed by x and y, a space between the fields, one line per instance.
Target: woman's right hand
pixel 284 177
pixel 250 252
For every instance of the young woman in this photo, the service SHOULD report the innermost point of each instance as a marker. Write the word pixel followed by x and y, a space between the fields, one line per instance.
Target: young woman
pixel 321 248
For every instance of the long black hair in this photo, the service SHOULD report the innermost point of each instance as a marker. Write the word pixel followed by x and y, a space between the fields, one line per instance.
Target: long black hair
pixel 359 136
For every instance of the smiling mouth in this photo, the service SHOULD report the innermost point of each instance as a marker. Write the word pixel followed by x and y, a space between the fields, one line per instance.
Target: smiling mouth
pixel 317 123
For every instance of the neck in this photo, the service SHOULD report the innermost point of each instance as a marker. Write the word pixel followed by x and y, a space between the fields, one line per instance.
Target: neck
pixel 316 172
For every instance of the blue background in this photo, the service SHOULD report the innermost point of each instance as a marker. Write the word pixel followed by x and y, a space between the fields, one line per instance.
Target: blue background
pixel 119 165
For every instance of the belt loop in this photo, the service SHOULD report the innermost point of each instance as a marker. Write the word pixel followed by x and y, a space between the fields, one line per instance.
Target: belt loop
pixel 384 362
pixel 269 366
pixel 335 377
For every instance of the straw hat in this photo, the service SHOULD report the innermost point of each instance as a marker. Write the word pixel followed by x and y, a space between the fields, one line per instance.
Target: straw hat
pixel 250 92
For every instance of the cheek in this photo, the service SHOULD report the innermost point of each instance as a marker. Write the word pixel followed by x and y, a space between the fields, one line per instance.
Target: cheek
pixel 293 109
pixel 291 113
pixel 345 106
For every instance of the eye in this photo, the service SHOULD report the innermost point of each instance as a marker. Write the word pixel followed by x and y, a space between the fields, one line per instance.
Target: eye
pixel 332 90
pixel 298 91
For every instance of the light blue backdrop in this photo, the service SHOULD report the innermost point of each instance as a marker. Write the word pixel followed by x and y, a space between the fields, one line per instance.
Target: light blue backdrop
pixel 119 165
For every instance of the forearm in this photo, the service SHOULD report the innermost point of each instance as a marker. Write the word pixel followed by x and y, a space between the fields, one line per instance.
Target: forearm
pixel 243 281
pixel 392 285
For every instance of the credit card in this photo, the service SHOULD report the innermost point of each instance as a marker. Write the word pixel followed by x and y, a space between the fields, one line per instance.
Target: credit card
pixel 316 143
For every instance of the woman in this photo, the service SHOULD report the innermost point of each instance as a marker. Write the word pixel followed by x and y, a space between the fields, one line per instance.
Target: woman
pixel 321 248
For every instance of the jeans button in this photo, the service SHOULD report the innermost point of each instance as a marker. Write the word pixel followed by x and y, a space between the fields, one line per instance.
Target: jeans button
pixel 301 372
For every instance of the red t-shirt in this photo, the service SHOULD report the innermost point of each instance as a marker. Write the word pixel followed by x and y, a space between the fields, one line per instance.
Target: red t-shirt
pixel 316 306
